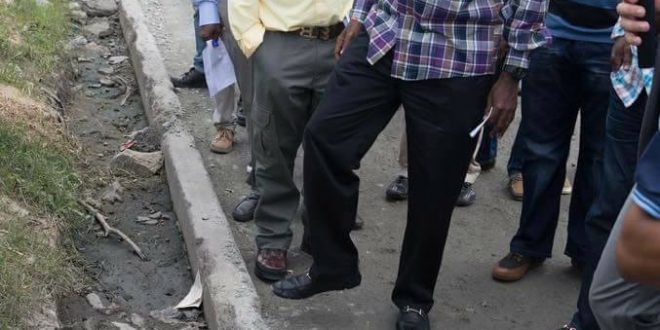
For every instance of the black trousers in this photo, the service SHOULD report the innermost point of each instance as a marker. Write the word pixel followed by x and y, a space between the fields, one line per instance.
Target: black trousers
pixel 360 100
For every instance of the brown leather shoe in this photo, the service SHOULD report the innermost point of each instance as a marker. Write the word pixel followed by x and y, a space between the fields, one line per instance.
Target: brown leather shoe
pixel 516 186
pixel 513 267
pixel 223 142
pixel 271 265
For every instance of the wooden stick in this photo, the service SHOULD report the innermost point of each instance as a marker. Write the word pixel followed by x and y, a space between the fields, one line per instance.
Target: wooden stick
pixel 107 229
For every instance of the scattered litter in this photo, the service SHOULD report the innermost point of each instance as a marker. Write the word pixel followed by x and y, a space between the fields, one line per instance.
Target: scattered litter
pixel 95 86
pixel 114 60
pixel 106 70
pixel 156 215
pixel 194 297
pixel 123 326
pixel 107 82
pixel 137 320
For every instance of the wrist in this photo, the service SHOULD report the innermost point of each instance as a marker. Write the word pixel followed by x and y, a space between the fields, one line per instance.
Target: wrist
pixel 513 72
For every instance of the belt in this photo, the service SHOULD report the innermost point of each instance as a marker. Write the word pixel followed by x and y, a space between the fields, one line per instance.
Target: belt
pixel 320 32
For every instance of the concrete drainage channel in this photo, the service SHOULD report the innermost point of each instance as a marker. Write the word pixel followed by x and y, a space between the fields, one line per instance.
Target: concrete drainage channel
pixel 230 299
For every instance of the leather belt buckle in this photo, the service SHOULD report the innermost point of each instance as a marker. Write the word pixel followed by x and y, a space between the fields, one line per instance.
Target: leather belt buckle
pixel 308 33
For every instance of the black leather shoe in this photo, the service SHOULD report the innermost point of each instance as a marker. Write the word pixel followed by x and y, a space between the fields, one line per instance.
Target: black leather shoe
pixel 190 79
pixel 302 286
pixel 467 196
pixel 244 211
pixel 412 319
pixel 240 114
pixel 398 189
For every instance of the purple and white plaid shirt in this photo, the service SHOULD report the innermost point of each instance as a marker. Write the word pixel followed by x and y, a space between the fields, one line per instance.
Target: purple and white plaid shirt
pixel 435 39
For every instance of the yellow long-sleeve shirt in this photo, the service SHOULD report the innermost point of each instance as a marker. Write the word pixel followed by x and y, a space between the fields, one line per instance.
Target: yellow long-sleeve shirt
pixel 249 19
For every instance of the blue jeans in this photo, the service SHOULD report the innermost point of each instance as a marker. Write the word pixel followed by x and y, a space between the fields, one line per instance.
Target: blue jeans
pixel 565 78
pixel 198 62
pixel 622 137
pixel 516 158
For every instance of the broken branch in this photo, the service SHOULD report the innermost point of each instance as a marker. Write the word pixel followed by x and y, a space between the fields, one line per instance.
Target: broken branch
pixel 107 229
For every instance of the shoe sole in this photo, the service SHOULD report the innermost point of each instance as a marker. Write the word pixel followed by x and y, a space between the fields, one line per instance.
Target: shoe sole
pixel 221 151
pixel 241 219
pixel 395 198
pixel 268 275
pixel 328 288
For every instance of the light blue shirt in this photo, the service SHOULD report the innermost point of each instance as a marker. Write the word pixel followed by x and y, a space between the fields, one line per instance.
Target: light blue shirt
pixel 208 11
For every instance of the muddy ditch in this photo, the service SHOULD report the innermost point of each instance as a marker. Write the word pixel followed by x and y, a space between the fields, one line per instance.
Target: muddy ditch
pixel 124 292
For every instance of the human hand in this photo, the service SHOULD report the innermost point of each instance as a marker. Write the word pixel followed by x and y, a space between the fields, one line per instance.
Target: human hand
pixel 632 16
pixel 502 101
pixel 345 38
pixel 621 56
pixel 211 31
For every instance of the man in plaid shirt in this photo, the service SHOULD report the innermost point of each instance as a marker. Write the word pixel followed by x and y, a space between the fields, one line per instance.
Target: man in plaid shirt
pixel 437 59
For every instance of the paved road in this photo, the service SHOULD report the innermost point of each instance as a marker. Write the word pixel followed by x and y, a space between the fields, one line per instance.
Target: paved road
pixel 466 297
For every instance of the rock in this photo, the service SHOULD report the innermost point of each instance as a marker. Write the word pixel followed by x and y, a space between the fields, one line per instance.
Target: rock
pixel 79 16
pixel 167 315
pixel 76 43
pixel 93 49
pixel 95 301
pixel 99 7
pixel 138 163
pixel 74 6
pixel 114 60
pixel 99 27
pixel 156 215
pixel 123 326
pixel 106 82
pixel 112 194
pixel 137 320
pixel 106 70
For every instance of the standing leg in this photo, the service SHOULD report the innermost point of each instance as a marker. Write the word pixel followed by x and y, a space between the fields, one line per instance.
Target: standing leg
pixel 549 112
pixel 223 119
pixel 440 113
pixel 594 100
pixel 619 162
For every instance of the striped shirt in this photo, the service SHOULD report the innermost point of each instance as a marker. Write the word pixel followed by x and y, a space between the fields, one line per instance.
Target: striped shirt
pixel 434 39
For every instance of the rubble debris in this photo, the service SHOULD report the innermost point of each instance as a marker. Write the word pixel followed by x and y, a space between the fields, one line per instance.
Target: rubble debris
pixel 99 7
pixel 143 164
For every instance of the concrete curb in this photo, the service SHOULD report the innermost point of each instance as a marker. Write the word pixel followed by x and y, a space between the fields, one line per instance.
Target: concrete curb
pixel 230 298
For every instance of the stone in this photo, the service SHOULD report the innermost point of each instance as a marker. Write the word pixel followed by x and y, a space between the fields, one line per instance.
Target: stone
pixel 112 194
pixel 79 16
pixel 99 7
pixel 74 6
pixel 106 82
pixel 137 320
pixel 92 50
pixel 123 326
pixel 76 43
pixel 114 60
pixel 94 300
pixel 167 315
pixel 143 164
pixel 99 27
pixel 106 70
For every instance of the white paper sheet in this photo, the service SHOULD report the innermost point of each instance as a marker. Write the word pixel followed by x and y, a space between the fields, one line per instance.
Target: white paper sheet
pixel 218 67
pixel 194 297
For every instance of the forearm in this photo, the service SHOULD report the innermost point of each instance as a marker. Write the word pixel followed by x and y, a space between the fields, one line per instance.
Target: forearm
pixel 638 251
pixel 523 29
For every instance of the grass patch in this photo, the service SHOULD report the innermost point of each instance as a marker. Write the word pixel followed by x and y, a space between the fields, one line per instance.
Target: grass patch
pixel 36 171
pixel 31 41
pixel 40 175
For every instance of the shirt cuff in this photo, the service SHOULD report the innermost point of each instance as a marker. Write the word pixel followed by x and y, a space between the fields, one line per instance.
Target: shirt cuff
pixel 208 13
pixel 517 58
pixel 647 204
pixel 359 15
pixel 251 39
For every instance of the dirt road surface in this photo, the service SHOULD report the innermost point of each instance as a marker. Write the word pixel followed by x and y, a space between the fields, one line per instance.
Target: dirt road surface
pixel 466 297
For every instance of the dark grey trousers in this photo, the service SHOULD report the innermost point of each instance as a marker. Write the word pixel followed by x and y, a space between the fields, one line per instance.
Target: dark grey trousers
pixel 290 75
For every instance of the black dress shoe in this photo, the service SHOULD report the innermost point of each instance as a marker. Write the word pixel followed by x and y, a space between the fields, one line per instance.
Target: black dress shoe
pixel 190 79
pixel 244 211
pixel 398 189
pixel 240 114
pixel 467 195
pixel 302 286
pixel 412 319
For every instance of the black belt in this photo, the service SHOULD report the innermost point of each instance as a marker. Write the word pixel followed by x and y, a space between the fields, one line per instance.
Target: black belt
pixel 320 32
pixel 583 15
